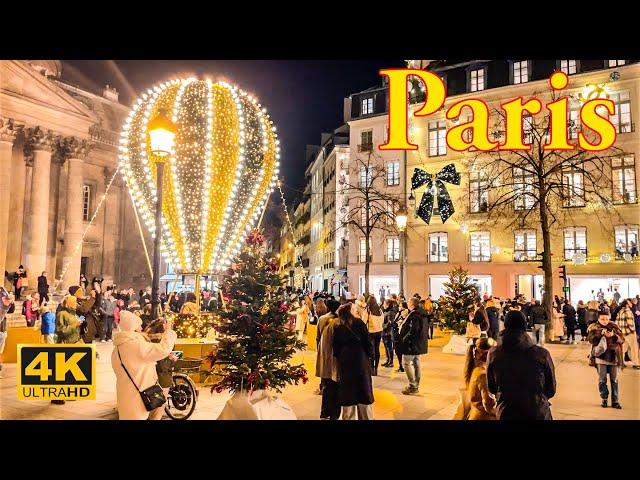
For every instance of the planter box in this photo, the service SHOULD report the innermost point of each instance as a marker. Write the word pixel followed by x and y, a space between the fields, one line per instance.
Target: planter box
pixel 457 345
pixel 258 405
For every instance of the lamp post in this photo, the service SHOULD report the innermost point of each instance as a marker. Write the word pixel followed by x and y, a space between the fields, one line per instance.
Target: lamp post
pixel 162 132
pixel 401 222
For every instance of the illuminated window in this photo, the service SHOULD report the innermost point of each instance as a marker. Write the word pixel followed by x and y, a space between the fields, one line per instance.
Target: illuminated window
pixel 575 241
pixel 393 173
pixel 520 72
pixel 86 202
pixel 574 120
pixel 527 129
pixel 572 187
pixel 437 138
pixel 366 176
pixel 621 119
pixel 623 171
pixel 568 66
pixel 524 245
pixel 366 106
pixel 362 255
pixel 524 189
pixel 480 247
pixel 626 240
pixel 476 80
pixel 438 247
pixel 616 63
pixel 393 249
pixel 478 193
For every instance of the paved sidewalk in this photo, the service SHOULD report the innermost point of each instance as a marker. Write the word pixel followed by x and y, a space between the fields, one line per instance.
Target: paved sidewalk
pixel 577 397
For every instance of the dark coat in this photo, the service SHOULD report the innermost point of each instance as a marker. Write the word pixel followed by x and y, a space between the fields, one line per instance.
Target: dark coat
pixel 538 315
pixel 414 334
pixel 569 315
pixel 43 285
pixel 352 348
pixel 591 316
pixel 522 377
pixel 582 314
pixel 494 321
pixel 389 318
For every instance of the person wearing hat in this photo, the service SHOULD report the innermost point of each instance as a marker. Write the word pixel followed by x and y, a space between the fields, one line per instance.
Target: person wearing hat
pixel 480 402
pixel 520 374
pixel 135 353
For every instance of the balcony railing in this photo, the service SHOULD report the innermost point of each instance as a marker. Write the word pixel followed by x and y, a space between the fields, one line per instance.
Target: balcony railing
pixel 100 135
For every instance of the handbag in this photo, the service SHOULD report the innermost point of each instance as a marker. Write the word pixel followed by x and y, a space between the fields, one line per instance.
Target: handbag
pixel 473 330
pixel 601 347
pixel 152 397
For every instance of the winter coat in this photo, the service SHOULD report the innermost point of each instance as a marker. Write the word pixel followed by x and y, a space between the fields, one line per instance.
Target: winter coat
pixel 323 321
pixel 48 326
pixel 373 322
pixel 30 314
pixel 582 313
pixel 538 315
pixel 482 402
pixel 387 326
pixel 521 375
pixel 395 327
pixel 107 307
pixel 613 353
pixel 353 350
pixel 67 326
pixel 189 308
pixel 302 317
pixel 569 315
pixel 43 285
pixel 139 357
pixel 92 326
pixel 481 318
pixel 326 363
pixel 414 334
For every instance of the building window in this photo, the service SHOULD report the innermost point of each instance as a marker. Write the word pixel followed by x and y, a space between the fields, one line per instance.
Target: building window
pixel 393 173
pixel 366 141
pixel 438 247
pixel 366 106
pixel 527 129
pixel 569 66
pixel 575 241
pixel 520 72
pixel 393 249
pixel 623 171
pixel 626 240
pixel 478 193
pixel 437 138
pixel 476 80
pixel 524 245
pixel 362 255
pixel 616 63
pixel 621 119
pixel 86 202
pixel 480 247
pixel 524 189
pixel 366 176
pixel 574 120
pixel 572 187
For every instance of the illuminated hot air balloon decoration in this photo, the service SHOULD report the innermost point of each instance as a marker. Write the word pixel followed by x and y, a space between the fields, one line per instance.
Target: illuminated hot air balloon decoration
pixel 220 171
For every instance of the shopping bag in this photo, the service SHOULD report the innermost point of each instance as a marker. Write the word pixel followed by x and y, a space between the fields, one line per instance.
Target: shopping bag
pixel 257 405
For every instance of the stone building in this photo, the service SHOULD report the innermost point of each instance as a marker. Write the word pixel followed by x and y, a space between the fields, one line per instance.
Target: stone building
pixel 58 154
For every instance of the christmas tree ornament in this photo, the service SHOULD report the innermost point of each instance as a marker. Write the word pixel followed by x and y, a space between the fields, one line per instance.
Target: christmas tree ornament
pixel 435 189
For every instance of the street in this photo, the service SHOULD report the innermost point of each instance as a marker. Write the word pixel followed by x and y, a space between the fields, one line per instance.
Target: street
pixel 576 398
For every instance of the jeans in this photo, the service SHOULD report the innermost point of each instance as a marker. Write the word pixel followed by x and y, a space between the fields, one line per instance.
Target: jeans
pixel 107 328
pixel 411 365
pixel 388 349
pixel 538 334
pixel 612 370
pixel 375 343
pixel 365 412
pixel 396 347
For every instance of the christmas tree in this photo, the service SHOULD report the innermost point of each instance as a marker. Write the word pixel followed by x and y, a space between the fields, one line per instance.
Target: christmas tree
pixel 255 344
pixel 459 294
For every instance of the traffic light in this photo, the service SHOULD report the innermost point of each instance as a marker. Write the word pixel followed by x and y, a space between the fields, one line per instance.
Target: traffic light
pixel 562 270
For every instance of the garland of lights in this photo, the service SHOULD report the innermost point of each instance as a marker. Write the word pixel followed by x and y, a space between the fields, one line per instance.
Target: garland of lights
pixel 220 173
pixel 293 233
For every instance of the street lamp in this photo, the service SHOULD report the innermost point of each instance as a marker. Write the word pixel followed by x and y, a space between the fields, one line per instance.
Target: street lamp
pixel 162 132
pixel 401 222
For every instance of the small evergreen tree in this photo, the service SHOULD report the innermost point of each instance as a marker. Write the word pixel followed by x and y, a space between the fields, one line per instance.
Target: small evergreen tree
pixel 255 344
pixel 460 294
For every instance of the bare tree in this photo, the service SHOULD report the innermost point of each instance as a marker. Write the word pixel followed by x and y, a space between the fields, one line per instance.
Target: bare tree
pixel 537 187
pixel 371 208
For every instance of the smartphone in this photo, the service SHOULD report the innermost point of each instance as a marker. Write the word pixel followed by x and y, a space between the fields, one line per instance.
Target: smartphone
pixel 178 353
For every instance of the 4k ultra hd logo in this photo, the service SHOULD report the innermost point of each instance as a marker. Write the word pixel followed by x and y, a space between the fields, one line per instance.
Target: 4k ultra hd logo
pixel 56 372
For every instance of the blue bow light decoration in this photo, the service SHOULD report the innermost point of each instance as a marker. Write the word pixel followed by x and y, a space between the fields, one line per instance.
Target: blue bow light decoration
pixel 435 187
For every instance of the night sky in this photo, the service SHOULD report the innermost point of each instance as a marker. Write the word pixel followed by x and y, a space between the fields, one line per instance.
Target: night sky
pixel 304 98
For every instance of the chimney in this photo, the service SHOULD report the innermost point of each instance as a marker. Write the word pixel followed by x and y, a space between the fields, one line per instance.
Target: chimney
pixel 110 93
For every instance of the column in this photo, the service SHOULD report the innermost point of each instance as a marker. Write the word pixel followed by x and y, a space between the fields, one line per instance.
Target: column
pixel 36 256
pixel 7 136
pixel 110 233
pixel 73 226
pixel 16 206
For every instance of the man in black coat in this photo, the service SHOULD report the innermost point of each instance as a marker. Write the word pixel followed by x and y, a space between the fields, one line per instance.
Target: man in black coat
pixel 520 374
pixel 539 318
pixel 43 288
pixel 413 343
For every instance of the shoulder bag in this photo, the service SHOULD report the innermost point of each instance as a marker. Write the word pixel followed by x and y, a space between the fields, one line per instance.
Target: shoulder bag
pixel 152 397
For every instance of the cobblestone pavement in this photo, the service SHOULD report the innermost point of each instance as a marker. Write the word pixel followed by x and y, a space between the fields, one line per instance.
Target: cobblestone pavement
pixel 577 397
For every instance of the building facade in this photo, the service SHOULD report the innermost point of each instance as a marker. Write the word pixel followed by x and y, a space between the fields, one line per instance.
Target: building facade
pixel 58 156
pixel 598 253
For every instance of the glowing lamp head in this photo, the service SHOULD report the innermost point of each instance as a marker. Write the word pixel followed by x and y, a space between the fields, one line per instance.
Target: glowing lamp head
pixel 162 133
pixel 401 218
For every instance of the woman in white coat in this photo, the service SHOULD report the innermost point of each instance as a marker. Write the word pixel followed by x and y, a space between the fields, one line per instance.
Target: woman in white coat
pixel 139 356
pixel 302 318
